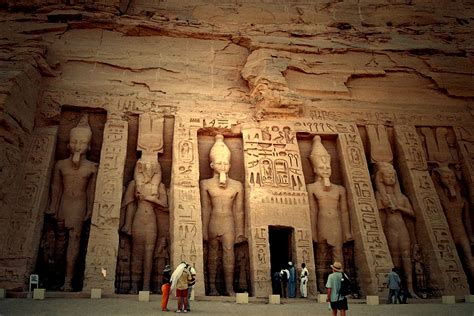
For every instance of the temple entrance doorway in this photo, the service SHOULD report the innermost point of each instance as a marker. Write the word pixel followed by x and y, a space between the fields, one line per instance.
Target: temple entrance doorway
pixel 281 251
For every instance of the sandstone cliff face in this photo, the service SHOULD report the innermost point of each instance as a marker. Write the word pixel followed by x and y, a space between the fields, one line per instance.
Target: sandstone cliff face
pixel 400 59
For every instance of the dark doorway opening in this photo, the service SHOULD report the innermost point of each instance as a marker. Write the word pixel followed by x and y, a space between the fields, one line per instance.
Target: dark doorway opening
pixel 280 247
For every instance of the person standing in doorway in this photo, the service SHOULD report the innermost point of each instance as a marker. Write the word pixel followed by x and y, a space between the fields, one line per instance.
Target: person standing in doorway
pixel 284 276
pixel 292 280
pixel 333 286
pixel 304 281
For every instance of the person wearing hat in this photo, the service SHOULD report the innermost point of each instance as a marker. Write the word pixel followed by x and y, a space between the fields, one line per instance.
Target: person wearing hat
pixel 165 287
pixel 291 280
pixel 333 285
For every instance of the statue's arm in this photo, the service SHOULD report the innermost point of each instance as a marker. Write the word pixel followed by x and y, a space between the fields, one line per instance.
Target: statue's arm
pixel 56 191
pixel 91 192
pixel 160 198
pixel 467 221
pixel 130 208
pixel 313 211
pixel 239 214
pixel 407 209
pixel 205 209
pixel 345 214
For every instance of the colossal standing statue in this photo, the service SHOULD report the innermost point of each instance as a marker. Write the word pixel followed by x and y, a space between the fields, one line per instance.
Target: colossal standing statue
pixel 143 197
pixel 329 214
pixel 72 193
pixel 456 209
pixel 222 202
pixel 395 209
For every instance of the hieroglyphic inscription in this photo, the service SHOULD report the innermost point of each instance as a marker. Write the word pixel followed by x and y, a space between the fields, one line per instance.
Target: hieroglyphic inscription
pixel 444 263
pixel 364 212
pixel 185 212
pixel 272 157
pixel 261 253
pixel 104 240
pixel 22 240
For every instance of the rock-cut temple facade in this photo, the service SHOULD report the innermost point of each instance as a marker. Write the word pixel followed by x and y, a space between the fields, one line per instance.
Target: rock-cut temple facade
pixel 236 136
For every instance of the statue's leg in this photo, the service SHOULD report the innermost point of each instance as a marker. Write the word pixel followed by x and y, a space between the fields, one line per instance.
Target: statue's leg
pixel 74 242
pixel 228 259
pixel 321 265
pixel 138 251
pixel 467 254
pixel 59 256
pixel 407 263
pixel 212 265
pixel 148 258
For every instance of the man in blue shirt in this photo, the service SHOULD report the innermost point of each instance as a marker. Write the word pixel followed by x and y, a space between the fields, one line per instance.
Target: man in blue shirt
pixel 333 285
pixel 393 284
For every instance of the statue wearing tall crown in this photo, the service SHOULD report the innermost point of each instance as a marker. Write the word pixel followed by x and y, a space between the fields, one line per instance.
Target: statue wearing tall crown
pixel 329 213
pixel 72 194
pixel 222 202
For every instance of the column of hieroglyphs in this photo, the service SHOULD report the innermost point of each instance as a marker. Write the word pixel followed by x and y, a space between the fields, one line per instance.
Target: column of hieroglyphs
pixel 26 223
pixel 277 196
pixel 372 254
pixel 465 143
pixel 104 239
pixel 185 205
pixel 445 268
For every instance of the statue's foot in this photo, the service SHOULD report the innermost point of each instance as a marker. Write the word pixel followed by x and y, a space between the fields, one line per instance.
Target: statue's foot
pixel 213 292
pixel 66 287
pixel 230 292
pixel 413 295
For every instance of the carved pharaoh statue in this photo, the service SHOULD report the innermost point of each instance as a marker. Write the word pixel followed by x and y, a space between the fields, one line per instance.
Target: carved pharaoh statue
pixel 222 200
pixel 329 213
pixel 395 210
pixel 144 195
pixel 456 209
pixel 72 194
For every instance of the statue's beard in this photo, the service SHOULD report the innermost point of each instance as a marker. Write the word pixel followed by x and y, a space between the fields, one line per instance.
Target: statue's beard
pixel 76 160
pixel 452 191
pixel 222 179
pixel 327 183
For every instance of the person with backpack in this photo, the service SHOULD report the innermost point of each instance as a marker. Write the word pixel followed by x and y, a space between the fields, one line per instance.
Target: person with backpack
pixel 336 297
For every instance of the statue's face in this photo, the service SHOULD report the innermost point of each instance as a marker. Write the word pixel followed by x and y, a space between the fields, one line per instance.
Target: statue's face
pixel 78 142
pixel 323 168
pixel 389 177
pixel 220 165
pixel 447 177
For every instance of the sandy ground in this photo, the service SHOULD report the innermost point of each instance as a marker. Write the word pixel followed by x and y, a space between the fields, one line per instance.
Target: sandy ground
pixel 131 306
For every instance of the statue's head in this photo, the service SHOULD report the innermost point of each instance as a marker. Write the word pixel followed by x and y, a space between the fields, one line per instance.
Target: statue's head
pixel 321 161
pixel 220 159
pixel 147 168
pixel 385 174
pixel 447 178
pixel 79 140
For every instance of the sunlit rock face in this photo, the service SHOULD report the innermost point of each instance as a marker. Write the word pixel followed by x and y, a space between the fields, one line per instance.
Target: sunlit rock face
pixel 376 84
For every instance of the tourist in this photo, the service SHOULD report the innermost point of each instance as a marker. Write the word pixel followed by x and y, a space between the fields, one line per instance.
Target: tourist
pixel 291 280
pixel 393 284
pixel 333 285
pixel 165 287
pixel 191 286
pixel 304 280
pixel 179 281
pixel 284 276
